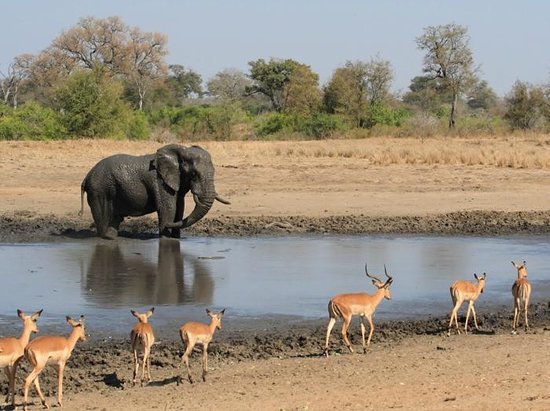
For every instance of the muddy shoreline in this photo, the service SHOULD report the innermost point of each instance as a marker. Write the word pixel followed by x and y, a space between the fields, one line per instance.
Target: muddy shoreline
pixel 103 363
pixel 24 226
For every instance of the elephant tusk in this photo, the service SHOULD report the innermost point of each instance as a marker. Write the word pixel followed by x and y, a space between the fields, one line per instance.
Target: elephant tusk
pixel 221 200
pixel 197 200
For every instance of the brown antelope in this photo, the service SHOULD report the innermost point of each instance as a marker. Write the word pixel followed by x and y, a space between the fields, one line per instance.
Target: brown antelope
pixel 521 290
pixel 52 349
pixel 192 333
pixel 12 350
pixel 465 291
pixel 142 339
pixel 346 306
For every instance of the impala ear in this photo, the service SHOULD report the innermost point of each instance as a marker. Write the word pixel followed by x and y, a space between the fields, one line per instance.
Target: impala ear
pixel 35 316
pixel 475 276
pixel 222 312
pixel 150 312
pixel 20 314
pixel 209 313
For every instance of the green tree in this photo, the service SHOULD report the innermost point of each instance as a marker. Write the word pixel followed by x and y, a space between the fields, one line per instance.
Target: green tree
pixel 290 86
pixel 427 94
pixel 91 105
pixel 527 107
pixel 448 57
pixel 482 96
pixel 182 84
pixel 358 89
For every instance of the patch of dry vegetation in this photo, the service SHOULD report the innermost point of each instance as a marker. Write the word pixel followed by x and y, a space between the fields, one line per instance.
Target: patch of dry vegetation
pixel 531 152
pixel 525 152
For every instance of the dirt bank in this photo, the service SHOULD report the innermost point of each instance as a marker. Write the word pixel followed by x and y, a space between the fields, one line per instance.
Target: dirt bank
pixel 486 186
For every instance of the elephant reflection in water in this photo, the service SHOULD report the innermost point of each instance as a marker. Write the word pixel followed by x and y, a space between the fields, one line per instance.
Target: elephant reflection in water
pixel 116 278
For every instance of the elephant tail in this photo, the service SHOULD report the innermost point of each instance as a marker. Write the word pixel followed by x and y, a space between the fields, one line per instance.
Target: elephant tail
pixel 82 190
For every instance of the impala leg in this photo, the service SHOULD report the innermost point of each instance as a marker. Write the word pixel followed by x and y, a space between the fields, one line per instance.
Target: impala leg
pixel 470 304
pixel 475 316
pixel 454 317
pixel 60 383
pixel 369 318
pixel 136 367
pixel 331 323
pixel 525 309
pixel 516 315
pixel 149 364
pixel 204 361
pixel 33 377
pixel 143 365
pixel 185 359
pixel 363 333
pixel 345 326
pixel 39 391
pixel 8 372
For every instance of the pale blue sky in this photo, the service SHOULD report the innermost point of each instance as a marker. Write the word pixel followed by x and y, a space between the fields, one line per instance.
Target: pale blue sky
pixel 510 40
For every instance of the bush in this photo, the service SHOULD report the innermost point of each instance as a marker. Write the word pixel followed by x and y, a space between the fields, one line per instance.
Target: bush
pixel 138 126
pixel 321 125
pixel 385 115
pixel 92 106
pixel 272 123
pixel 31 122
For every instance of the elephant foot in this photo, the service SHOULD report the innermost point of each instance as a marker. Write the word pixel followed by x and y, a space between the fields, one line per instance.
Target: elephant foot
pixel 111 234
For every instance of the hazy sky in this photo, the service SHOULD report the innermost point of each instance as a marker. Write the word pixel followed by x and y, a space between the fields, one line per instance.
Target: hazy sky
pixel 510 40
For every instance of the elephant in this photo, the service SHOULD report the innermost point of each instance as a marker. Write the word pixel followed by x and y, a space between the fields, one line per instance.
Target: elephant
pixel 124 185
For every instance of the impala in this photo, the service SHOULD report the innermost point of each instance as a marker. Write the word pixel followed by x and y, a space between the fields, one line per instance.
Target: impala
pixel 12 350
pixel 465 291
pixel 142 339
pixel 521 290
pixel 52 349
pixel 346 306
pixel 192 333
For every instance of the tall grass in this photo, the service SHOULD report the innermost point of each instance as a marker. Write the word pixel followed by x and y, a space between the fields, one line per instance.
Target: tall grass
pixel 531 151
pixel 517 152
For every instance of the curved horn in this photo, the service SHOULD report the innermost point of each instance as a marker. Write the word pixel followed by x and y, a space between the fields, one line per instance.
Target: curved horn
pixel 371 276
pixel 390 278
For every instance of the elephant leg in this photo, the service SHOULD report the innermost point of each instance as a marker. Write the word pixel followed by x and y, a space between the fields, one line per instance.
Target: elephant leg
pixel 114 224
pixel 176 232
pixel 101 213
pixel 166 214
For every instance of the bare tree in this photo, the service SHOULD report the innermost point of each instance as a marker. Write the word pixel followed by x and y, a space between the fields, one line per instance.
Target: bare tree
pixel 94 42
pixel 229 84
pixel 18 71
pixel 448 57
pixel 144 60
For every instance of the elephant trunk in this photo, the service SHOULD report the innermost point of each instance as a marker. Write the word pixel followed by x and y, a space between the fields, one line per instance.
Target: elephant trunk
pixel 202 207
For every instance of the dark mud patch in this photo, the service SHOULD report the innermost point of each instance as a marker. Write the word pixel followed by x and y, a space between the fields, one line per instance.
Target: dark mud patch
pixel 24 226
pixel 104 363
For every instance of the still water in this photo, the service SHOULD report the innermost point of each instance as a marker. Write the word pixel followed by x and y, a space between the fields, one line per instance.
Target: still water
pixel 257 277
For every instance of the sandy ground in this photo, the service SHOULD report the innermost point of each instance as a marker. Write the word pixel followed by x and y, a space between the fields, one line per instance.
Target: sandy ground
pixel 304 187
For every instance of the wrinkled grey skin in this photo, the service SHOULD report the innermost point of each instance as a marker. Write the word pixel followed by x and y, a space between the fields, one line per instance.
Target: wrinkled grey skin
pixel 123 185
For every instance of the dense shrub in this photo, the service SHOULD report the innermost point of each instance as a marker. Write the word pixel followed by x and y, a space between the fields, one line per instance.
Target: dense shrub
pixel 91 106
pixel 272 123
pixel 200 121
pixel 321 125
pixel 385 115
pixel 30 122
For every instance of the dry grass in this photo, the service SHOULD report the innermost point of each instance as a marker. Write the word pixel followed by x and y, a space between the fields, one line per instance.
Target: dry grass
pixel 532 152
pixel 526 152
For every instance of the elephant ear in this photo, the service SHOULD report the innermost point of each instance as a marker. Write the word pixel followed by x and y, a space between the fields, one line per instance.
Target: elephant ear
pixel 167 165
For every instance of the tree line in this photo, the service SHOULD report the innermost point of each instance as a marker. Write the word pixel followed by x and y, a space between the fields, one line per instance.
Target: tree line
pixel 103 78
